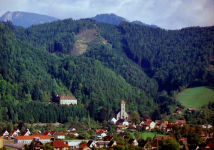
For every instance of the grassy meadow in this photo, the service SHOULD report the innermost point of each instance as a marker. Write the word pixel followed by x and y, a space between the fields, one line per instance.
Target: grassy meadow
pixel 195 97
pixel 147 134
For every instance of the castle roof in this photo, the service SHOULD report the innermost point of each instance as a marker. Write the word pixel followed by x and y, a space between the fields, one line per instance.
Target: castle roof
pixel 122 102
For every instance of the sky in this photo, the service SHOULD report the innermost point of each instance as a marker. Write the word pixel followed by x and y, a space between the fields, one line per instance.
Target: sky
pixel 167 14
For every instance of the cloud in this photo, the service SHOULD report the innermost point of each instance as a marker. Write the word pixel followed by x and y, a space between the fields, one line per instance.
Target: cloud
pixel 168 14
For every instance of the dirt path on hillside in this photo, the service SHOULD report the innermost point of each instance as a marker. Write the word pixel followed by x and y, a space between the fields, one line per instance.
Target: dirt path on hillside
pixel 181 93
pixel 44 124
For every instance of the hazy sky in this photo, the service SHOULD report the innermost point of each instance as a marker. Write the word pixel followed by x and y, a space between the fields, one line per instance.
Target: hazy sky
pixel 168 14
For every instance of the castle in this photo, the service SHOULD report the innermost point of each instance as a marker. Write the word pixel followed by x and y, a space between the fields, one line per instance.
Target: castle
pixel 121 113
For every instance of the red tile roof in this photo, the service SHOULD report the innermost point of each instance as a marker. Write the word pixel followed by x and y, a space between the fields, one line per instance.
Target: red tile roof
pixel 82 146
pixel 60 133
pixel 31 137
pixel 147 122
pixel 52 132
pixel 58 144
pixel 46 133
pixel 107 138
pixel 99 130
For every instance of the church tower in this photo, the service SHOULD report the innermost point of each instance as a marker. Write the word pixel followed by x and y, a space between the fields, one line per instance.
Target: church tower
pixel 123 112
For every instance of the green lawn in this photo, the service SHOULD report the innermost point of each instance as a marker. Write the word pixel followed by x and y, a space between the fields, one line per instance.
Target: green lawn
pixel 195 97
pixel 148 134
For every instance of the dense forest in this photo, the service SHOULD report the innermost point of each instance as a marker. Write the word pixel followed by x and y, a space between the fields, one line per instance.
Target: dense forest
pixel 145 66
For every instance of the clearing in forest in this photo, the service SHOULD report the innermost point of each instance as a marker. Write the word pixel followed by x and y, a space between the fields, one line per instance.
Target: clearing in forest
pixel 84 38
pixel 195 97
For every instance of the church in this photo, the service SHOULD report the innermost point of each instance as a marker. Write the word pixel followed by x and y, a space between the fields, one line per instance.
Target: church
pixel 121 113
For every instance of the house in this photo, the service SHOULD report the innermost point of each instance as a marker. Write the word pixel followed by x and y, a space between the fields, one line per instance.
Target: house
pixel 121 126
pixel 133 142
pixel 65 100
pixel 14 133
pixel 47 133
pixel 26 132
pixel 84 147
pixel 101 144
pixel 163 126
pixel 178 111
pixel 71 129
pixel 190 109
pixel 100 132
pixel 121 113
pixel 52 133
pixel 87 129
pixel 111 144
pixel 104 129
pixel 145 144
pixel 180 121
pixel 28 139
pixel 91 143
pixel 150 124
pixel 74 143
pixel 108 138
pixel 59 135
pixel 113 120
pixel 121 135
pixel 36 144
pixel 207 126
pixel 73 133
pixel 117 129
pixel 5 133
pixel 59 145
pixel 96 137
pixel 132 128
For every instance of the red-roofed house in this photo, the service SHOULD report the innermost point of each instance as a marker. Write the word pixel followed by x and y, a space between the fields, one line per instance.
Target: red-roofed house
pixel 149 124
pixel 52 133
pixel 59 135
pixel 5 133
pixel 47 133
pixel 73 133
pixel 59 145
pixel 180 121
pixel 13 134
pixel 163 126
pixel 84 147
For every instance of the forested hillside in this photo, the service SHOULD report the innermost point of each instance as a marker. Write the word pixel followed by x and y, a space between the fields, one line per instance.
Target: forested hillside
pixel 144 66
pixel 30 76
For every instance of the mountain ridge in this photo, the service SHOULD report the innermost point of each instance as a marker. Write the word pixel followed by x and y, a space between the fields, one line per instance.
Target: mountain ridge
pixel 26 19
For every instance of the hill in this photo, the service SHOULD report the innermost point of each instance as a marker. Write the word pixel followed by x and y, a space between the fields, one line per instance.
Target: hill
pixel 109 18
pixel 115 20
pixel 195 97
pixel 141 23
pixel 26 19
pixel 29 77
pixel 152 63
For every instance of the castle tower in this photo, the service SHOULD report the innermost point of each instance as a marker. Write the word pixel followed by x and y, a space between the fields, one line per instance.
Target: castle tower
pixel 123 112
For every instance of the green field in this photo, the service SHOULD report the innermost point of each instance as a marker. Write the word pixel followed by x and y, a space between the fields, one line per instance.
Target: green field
pixel 196 97
pixel 147 134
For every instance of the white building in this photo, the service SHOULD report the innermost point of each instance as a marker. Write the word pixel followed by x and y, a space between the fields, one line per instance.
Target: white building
pixel 207 126
pixel 65 100
pixel 27 139
pixel 112 120
pixel 74 143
